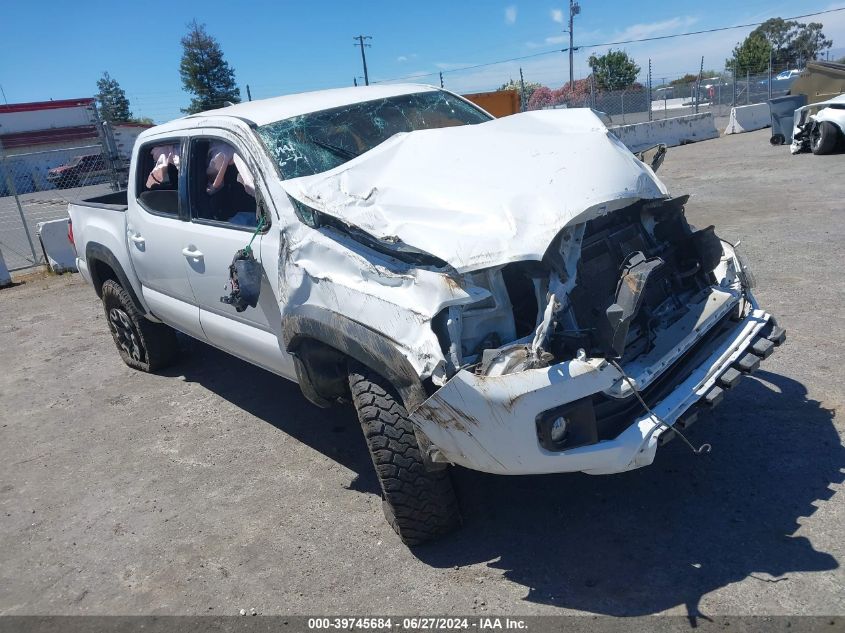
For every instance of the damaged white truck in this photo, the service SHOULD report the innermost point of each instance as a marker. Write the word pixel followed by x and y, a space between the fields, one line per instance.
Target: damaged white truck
pixel 517 295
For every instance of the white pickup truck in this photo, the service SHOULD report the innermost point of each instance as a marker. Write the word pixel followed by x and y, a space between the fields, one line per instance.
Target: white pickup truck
pixel 516 295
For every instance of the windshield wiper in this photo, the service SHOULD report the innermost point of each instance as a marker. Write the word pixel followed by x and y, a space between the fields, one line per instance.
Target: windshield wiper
pixel 339 151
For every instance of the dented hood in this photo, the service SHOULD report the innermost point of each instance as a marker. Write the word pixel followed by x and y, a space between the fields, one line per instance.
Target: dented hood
pixel 483 195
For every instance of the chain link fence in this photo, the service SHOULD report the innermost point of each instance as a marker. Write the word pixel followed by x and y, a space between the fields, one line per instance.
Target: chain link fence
pixel 715 94
pixel 36 186
pixel 661 96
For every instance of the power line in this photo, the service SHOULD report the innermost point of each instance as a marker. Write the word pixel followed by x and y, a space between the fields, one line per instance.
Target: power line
pixel 633 41
pixel 714 30
pixel 454 70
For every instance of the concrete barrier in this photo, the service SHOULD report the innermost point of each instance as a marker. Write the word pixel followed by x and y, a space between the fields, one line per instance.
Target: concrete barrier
pixel 671 132
pixel 5 277
pixel 749 117
pixel 61 257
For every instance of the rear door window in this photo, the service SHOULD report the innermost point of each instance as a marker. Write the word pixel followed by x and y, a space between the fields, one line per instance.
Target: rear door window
pixel 158 176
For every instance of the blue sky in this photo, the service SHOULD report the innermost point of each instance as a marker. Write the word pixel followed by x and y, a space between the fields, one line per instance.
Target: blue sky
pixel 58 49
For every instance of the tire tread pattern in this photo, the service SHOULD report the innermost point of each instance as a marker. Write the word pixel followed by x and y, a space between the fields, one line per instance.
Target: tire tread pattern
pixel 419 504
pixel 157 339
pixel 828 138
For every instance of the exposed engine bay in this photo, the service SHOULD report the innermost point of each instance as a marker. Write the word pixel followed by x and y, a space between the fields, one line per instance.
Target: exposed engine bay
pixel 605 288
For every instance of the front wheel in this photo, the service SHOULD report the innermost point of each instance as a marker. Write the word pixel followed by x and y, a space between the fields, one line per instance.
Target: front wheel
pixel 142 344
pixel 824 138
pixel 418 503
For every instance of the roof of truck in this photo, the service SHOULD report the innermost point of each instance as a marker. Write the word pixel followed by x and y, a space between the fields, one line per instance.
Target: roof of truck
pixel 263 111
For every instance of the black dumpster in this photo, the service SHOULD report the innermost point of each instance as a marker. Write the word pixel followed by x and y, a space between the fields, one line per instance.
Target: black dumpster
pixel 782 110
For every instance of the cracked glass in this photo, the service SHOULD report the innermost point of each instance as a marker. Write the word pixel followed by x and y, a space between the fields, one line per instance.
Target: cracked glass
pixel 312 143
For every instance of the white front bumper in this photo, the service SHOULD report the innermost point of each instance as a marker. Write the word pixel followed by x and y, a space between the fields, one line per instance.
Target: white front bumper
pixel 489 423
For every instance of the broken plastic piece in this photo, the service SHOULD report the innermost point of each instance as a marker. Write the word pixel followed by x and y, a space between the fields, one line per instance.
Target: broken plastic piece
pixel 513 358
pixel 244 281
pixel 653 156
pixel 629 294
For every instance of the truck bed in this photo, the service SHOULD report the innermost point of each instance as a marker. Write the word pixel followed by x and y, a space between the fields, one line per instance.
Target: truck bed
pixel 115 201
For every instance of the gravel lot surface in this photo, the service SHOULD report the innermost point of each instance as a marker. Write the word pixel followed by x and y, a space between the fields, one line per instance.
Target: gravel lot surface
pixel 216 487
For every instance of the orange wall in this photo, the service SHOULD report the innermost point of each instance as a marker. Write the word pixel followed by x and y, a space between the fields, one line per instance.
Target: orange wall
pixel 500 103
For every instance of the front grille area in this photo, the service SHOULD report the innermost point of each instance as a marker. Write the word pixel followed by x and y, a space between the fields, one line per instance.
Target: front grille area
pixel 615 415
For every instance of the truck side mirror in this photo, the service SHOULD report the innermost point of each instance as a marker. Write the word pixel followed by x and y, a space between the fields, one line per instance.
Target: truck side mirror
pixel 244 281
pixel 653 156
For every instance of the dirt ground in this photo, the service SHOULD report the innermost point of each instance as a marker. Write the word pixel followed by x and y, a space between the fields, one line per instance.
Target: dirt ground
pixel 217 487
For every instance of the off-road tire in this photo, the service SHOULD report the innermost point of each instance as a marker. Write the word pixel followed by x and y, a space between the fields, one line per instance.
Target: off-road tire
pixel 142 344
pixel 418 503
pixel 824 138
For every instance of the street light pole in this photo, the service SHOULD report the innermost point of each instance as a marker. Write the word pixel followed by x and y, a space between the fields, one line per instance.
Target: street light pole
pixel 360 42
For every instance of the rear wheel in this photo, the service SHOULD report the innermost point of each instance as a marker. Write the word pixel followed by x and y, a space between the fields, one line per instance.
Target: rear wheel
pixel 824 138
pixel 418 503
pixel 142 344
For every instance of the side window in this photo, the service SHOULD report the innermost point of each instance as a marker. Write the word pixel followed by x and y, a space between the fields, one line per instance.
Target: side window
pixel 221 186
pixel 158 177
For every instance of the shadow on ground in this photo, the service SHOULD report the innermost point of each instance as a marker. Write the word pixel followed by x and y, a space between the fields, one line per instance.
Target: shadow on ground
pixel 334 432
pixel 630 544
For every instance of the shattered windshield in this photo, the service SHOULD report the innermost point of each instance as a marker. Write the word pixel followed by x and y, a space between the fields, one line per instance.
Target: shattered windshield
pixel 316 142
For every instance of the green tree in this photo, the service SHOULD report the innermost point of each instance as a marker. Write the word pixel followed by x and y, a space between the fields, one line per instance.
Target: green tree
pixel 530 87
pixel 614 70
pixel 112 101
pixel 810 42
pixel 790 44
pixel 205 73
pixel 752 55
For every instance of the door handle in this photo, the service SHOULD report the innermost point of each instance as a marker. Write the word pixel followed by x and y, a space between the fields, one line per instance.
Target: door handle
pixel 190 251
pixel 137 239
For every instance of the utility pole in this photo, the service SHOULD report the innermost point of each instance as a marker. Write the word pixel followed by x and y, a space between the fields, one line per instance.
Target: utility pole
pixel 770 72
pixel 362 44
pixel 574 9
pixel 522 104
pixel 698 84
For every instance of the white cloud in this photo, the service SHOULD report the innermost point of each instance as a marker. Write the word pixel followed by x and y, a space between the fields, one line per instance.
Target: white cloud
pixel 401 59
pixel 670 58
pixel 639 31
pixel 453 65
pixel 557 15
pixel 510 14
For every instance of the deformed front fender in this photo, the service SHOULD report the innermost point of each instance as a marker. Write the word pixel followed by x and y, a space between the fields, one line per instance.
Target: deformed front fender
pixel 311 323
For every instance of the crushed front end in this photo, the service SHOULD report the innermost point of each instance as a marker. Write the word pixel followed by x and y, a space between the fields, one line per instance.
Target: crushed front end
pixel 631 325
pixel 538 293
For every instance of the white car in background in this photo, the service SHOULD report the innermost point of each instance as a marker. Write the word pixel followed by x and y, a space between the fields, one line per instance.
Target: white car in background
pixel 819 127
